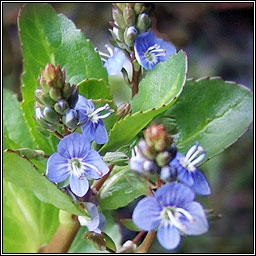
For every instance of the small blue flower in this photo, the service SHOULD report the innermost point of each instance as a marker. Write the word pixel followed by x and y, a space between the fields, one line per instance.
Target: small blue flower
pixel 172 211
pixel 188 172
pixel 138 162
pixel 75 160
pixel 115 60
pixel 150 50
pixel 98 219
pixel 93 127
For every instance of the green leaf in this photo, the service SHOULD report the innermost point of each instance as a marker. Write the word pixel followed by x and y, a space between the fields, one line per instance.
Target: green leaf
pixel 50 38
pixel 128 223
pixel 79 244
pixel 94 89
pixel 28 222
pixel 213 113
pixel 161 84
pixel 110 244
pixel 20 172
pixel 122 187
pixel 15 127
pixel 127 128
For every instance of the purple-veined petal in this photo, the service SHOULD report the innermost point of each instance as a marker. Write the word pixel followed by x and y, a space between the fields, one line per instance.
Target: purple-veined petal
pixel 89 130
pixel 57 168
pixel 115 63
pixel 95 167
pixel 74 145
pixel 174 194
pixel 102 222
pixel 79 186
pixel 200 185
pixel 200 224
pixel 168 236
pixel 83 103
pixel 146 214
pixel 170 49
pixel 101 134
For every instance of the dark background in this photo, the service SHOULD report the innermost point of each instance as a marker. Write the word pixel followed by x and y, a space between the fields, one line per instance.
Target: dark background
pixel 218 38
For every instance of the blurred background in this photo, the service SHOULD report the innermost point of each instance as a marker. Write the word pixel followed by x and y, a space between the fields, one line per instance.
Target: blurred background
pixel 218 38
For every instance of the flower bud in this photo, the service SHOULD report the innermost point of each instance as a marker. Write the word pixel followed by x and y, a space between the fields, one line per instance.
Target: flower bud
pixel 49 72
pixel 129 16
pixel 71 118
pixel 123 110
pixel 96 240
pixel 168 173
pixel 121 6
pixel 61 106
pixel 143 23
pixel 55 93
pixel 73 97
pixel 46 125
pixel 163 158
pixel 138 8
pixel 66 91
pixel 50 115
pixel 157 137
pixel 118 18
pixel 130 35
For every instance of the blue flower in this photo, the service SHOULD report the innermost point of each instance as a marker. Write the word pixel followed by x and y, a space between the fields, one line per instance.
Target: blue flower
pixel 188 172
pixel 115 60
pixel 150 50
pixel 173 212
pixel 93 127
pixel 98 220
pixel 75 160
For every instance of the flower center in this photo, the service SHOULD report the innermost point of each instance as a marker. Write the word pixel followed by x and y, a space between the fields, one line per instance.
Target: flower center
pixel 172 216
pixel 193 157
pixel 153 53
pixel 93 113
pixel 76 167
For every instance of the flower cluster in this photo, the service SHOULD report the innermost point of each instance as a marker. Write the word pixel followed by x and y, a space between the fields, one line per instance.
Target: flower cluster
pixel 171 209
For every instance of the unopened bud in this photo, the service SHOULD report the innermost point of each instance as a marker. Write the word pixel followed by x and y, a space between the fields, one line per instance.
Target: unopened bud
pixel 121 6
pixel 46 125
pixel 50 115
pixel 138 8
pixel 129 16
pixel 71 118
pixel 55 93
pixel 30 153
pixel 73 97
pixel 168 173
pixel 96 240
pixel 49 72
pixel 123 110
pixel 128 247
pixel 130 35
pixel 66 91
pixel 61 106
pixel 143 23
pixel 163 158
pixel 118 18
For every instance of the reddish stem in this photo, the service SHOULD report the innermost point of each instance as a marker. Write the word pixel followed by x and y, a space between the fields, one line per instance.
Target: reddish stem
pixel 138 237
pixel 101 181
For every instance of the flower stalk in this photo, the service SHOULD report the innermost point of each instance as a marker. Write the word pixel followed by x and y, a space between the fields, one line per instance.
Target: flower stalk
pixel 145 245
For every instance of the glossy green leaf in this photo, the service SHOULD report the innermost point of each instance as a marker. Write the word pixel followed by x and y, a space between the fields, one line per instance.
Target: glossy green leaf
pixel 213 113
pixel 127 128
pixel 110 244
pixel 27 222
pixel 94 89
pixel 20 172
pixel 161 84
pixel 128 223
pixel 14 124
pixel 122 187
pixel 79 244
pixel 50 38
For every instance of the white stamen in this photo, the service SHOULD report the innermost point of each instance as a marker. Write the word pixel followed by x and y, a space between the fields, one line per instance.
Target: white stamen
pixel 96 111
pixel 109 50
pixel 175 222
pixel 198 160
pixel 74 168
pixel 191 151
pixel 93 167
pixel 199 150
pixel 186 214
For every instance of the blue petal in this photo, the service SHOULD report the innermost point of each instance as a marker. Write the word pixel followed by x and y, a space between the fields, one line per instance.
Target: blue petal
pixel 102 222
pixel 168 236
pixel 83 106
pixel 99 168
pixel 89 130
pixel 174 194
pixel 200 185
pixel 199 225
pixel 170 49
pixel 115 64
pixel 74 145
pixel 146 214
pixel 101 135
pixel 79 186
pixel 57 168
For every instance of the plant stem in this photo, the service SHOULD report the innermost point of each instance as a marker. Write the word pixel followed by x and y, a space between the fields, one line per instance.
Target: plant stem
pixel 101 181
pixel 138 237
pixel 64 235
pixel 135 81
pixel 145 245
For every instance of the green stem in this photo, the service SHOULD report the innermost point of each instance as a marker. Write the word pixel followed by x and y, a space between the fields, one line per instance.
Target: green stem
pixel 145 245
pixel 64 235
